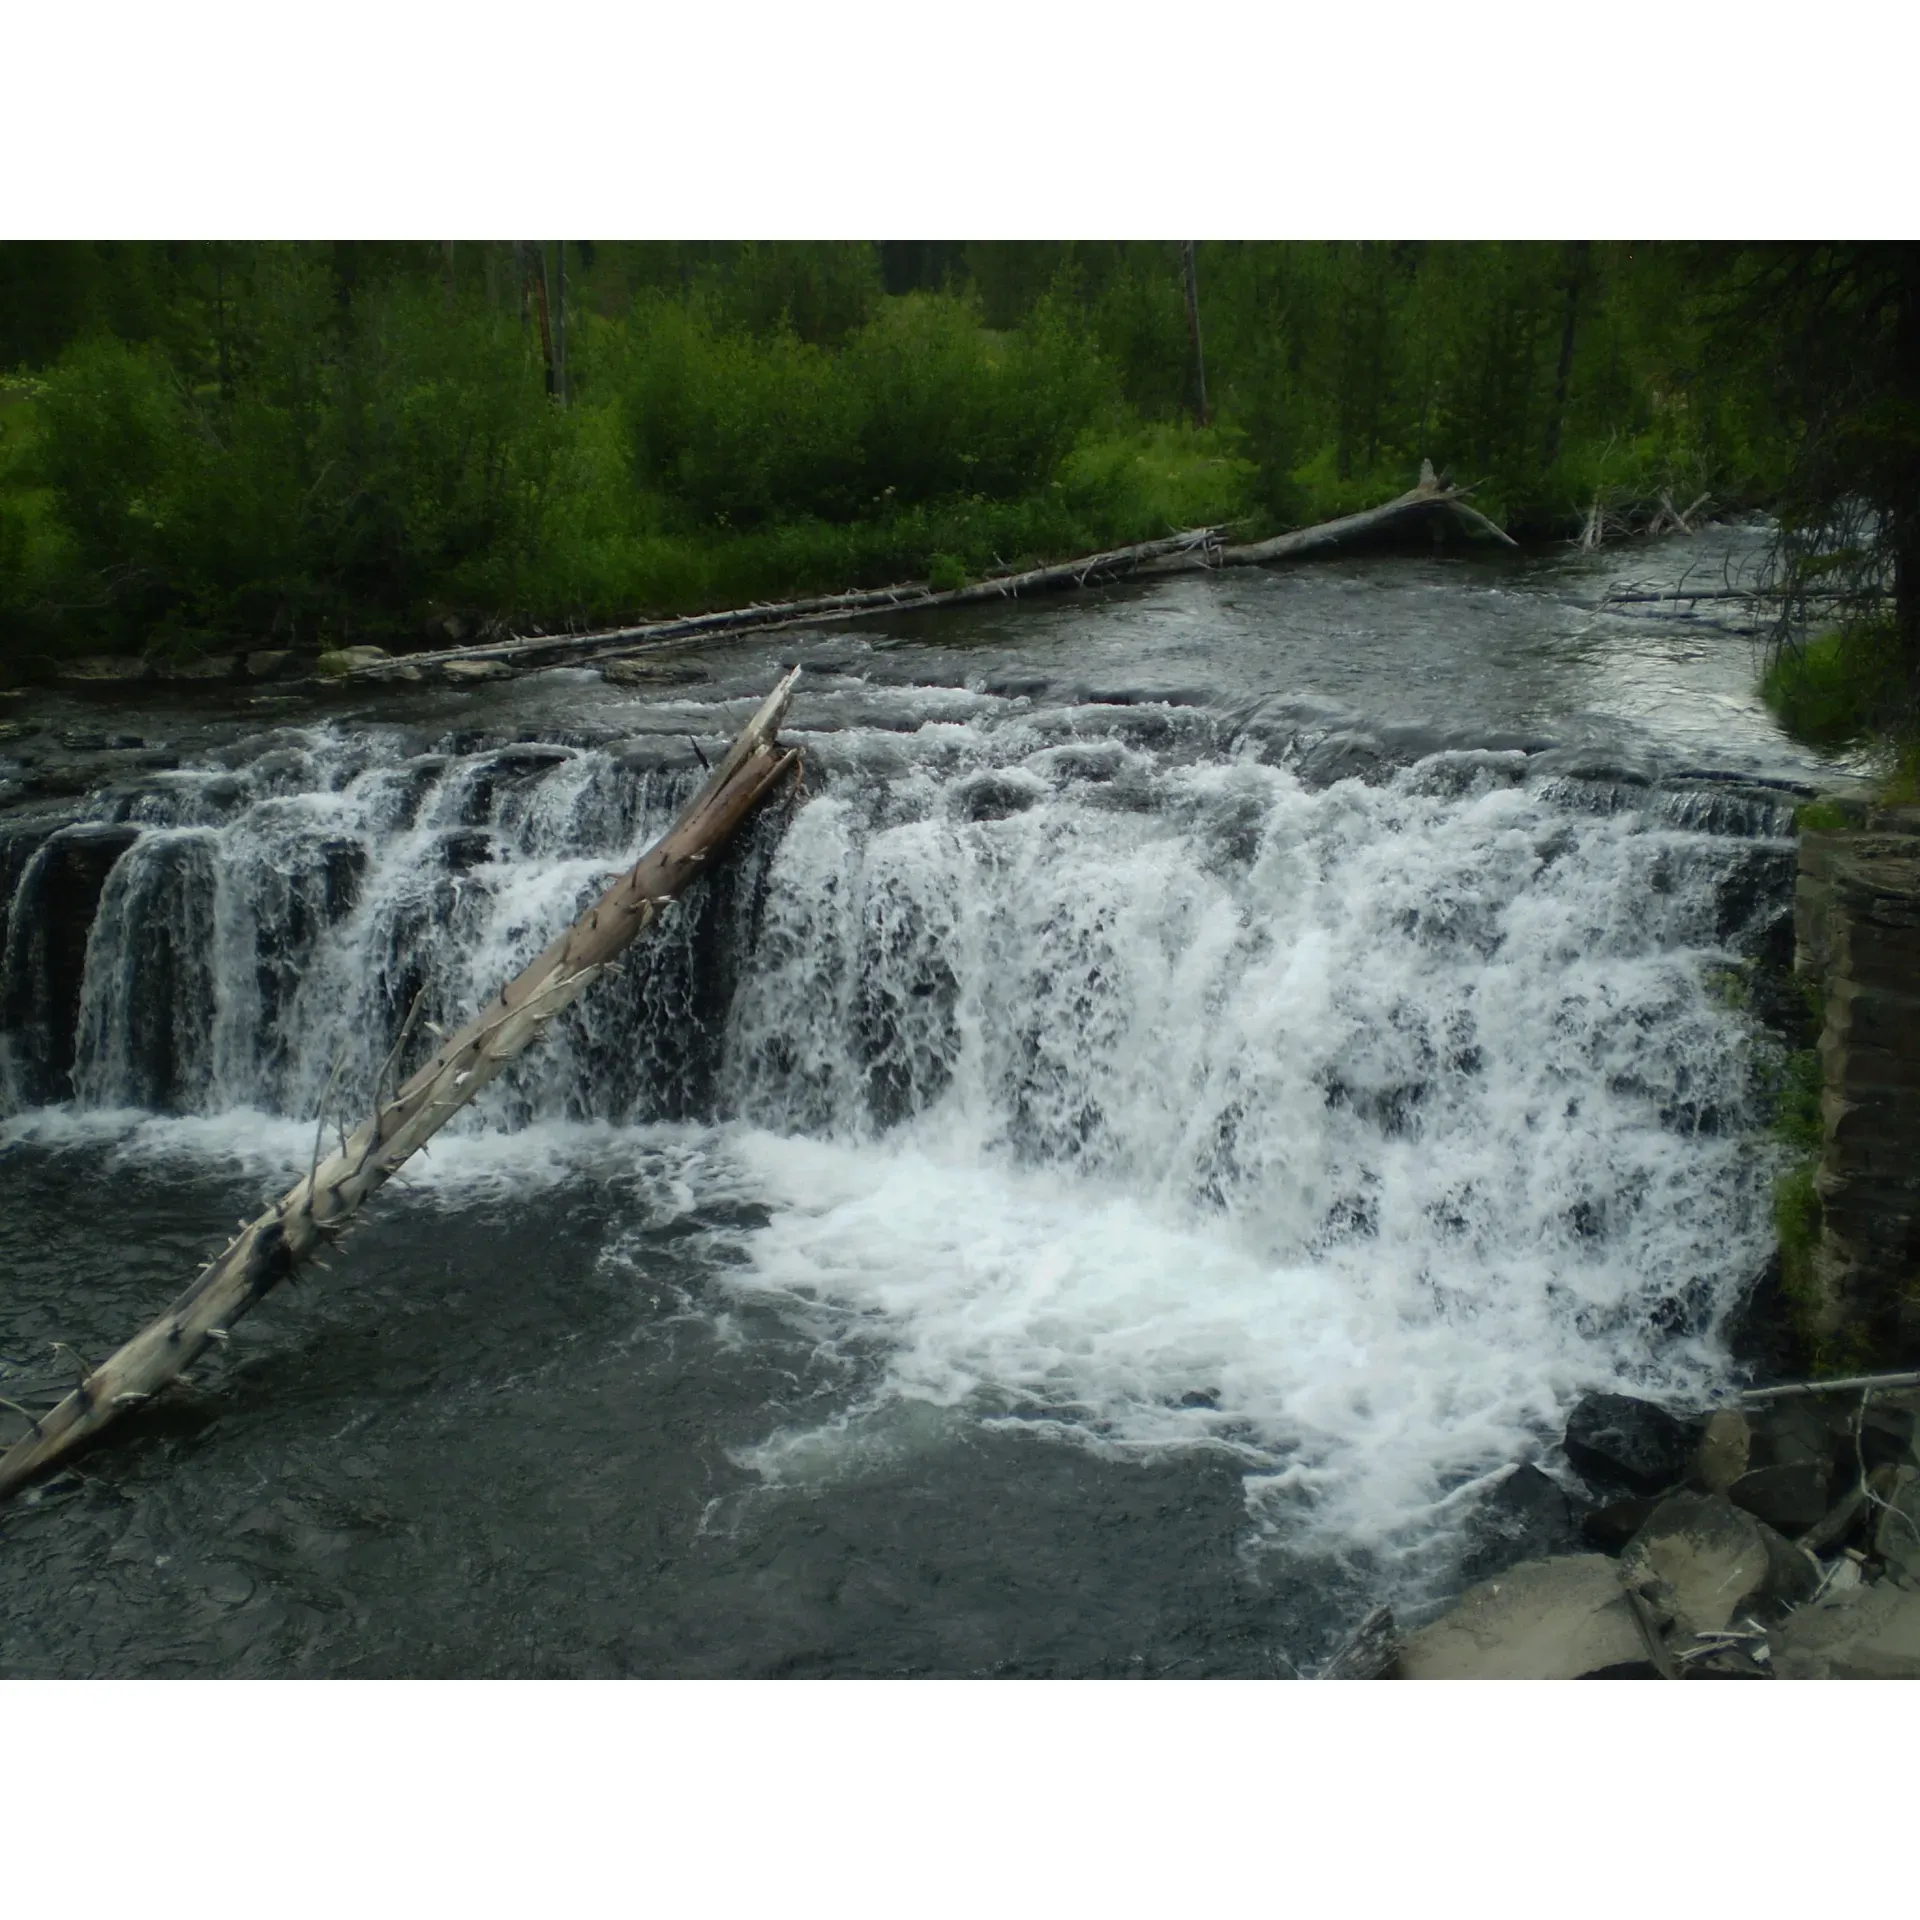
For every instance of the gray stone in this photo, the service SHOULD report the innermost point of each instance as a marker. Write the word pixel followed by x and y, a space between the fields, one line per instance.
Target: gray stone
pixel 268 663
pixel 1698 1561
pixel 1793 1497
pixel 343 660
pixel 471 672
pixel 1896 1538
pixel 1543 1620
pixel 1721 1457
pixel 1870 1633
pixel 107 668
pixel 204 666
pixel 650 673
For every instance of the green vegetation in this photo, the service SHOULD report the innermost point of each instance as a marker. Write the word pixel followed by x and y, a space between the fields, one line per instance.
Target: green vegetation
pixel 206 444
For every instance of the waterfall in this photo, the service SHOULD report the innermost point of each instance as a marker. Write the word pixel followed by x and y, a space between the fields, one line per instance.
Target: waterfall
pixel 1153 1076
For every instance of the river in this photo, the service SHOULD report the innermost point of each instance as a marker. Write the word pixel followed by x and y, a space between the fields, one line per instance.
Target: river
pixel 1195 1086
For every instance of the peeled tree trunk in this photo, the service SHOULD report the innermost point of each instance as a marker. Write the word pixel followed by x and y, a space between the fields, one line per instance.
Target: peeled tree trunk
pixel 265 1252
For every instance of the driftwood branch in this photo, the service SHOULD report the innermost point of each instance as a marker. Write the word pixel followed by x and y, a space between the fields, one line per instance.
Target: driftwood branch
pixel 267 1251
pixel 1369 1652
pixel 1853 1383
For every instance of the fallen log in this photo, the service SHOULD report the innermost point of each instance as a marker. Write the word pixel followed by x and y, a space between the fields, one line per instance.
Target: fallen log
pixel 267 1251
pixel 1188 552
pixel 1428 501
pixel 555 648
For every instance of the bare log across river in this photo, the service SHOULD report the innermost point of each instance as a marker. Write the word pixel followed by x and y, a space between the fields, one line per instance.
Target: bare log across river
pixel 1196 550
pixel 267 1251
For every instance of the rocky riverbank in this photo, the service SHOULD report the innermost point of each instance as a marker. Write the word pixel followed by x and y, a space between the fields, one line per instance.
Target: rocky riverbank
pixel 1776 1537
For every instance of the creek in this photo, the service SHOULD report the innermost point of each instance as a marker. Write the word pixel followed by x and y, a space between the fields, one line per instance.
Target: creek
pixel 1197 1084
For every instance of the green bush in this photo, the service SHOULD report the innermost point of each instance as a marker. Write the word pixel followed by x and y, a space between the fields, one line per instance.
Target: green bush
pixel 1832 688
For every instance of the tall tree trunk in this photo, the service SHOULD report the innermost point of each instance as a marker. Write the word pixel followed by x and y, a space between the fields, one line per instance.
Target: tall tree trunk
pixel 1903 504
pixel 1201 410
pixel 560 319
pixel 1577 252
pixel 538 254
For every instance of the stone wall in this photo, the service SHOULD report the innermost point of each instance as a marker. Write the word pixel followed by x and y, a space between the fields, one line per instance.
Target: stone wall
pixel 1857 934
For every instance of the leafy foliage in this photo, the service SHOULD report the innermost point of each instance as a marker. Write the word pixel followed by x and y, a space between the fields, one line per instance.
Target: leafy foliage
pixel 209 443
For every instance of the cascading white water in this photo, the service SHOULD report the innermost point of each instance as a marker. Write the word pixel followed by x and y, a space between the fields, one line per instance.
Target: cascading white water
pixel 1097 1073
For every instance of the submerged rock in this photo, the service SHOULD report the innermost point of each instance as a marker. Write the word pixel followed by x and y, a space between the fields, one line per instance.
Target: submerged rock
pixel 1558 1619
pixel 1619 1441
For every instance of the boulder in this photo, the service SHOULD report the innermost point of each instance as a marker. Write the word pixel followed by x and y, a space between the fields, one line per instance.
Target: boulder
pixel 1610 1527
pixel 203 666
pixel 1792 1497
pixel 1896 1537
pixel 1698 1562
pixel 1813 1431
pixel 1616 1440
pixel 1557 1619
pixel 268 663
pixel 109 669
pixel 1890 1430
pixel 468 673
pixel 342 660
pixel 1870 1633
pixel 1526 1517
pixel 1721 1457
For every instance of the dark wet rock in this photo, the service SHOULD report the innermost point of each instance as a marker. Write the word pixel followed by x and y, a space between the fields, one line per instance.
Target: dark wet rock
pixel 995 795
pixel 1096 760
pixel 1611 1526
pixel 466 848
pixel 1558 1619
pixel 1870 1633
pixel 1019 683
pixel 1348 755
pixel 1763 1333
pixel 1724 1449
pixel 1815 1431
pixel 1757 885
pixel 1890 1430
pixel 1134 693
pixel 269 663
pixel 1697 1562
pixel 52 914
pixel 1528 1516
pixel 1589 763
pixel 1792 1497
pixel 1615 1440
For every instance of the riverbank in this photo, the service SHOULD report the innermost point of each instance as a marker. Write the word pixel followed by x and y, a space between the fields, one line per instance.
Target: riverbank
pixel 1773 1536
